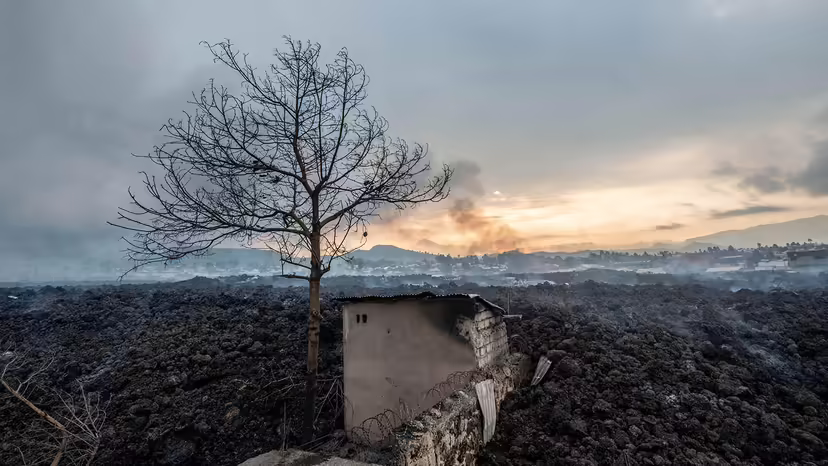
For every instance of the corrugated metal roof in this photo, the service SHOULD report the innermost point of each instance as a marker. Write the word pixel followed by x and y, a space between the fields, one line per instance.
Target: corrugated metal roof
pixel 486 397
pixel 424 295
pixel 541 370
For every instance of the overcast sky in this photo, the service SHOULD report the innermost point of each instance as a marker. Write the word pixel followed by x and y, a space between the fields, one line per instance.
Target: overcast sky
pixel 610 122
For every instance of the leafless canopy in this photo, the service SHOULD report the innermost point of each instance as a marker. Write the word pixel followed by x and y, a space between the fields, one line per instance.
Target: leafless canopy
pixel 294 156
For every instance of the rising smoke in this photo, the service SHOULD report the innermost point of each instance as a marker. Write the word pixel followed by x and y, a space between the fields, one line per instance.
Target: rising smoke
pixel 486 234
pixel 489 234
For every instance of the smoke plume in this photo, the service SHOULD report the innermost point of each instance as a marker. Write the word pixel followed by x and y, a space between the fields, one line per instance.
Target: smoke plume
pixel 487 234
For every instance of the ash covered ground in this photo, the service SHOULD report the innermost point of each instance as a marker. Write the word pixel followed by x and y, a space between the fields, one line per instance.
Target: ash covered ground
pixel 203 372
pixel 669 375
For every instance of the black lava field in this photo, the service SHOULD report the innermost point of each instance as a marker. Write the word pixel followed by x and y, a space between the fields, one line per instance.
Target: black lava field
pixel 201 372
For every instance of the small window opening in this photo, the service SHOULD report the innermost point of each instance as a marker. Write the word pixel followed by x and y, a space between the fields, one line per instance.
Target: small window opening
pixel 357 318
pixel 364 318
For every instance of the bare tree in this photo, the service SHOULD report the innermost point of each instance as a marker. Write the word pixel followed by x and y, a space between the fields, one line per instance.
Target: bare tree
pixel 294 162
pixel 19 388
pixel 78 426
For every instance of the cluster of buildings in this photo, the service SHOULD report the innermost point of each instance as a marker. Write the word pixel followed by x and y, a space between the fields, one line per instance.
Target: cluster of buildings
pixel 808 261
pixel 816 260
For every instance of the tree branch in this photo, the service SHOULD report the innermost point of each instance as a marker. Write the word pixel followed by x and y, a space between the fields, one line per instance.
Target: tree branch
pixel 292 156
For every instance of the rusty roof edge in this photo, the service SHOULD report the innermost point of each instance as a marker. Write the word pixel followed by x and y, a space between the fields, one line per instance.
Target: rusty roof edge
pixel 423 295
pixel 486 303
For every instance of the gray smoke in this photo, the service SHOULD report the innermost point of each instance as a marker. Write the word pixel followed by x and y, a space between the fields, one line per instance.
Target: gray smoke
pixel 488 234
pixel 812 180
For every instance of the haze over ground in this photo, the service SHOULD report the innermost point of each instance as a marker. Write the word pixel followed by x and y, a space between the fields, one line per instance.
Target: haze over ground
pixel 610 123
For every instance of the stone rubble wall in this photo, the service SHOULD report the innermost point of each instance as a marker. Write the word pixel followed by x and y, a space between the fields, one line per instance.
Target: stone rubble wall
pixel 451 433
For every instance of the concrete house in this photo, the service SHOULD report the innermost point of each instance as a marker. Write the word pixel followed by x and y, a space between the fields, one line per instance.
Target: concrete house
pixel 396 349
pixel 809 260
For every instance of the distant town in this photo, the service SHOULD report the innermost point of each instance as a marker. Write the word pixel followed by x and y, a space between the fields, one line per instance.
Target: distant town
pixel 385 260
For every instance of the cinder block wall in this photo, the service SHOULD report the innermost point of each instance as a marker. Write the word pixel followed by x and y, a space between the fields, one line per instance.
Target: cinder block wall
pixel 487 335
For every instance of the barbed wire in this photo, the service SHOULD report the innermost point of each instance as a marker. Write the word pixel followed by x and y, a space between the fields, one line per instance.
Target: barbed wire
pixel 378 430
pixel 454 382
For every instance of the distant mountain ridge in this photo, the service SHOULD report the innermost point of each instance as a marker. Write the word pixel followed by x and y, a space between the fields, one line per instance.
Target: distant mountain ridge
pixel 799 230
pixel 391 253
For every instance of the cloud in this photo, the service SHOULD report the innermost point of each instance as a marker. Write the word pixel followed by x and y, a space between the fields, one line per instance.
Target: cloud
pixel 814 178
pixel 85 83
pixel 768 180
pixel 725 169
pixel 77 102
pixel 811 180
pixel 752 210
pixel 69 119
pixel 822 116
pixel 670 226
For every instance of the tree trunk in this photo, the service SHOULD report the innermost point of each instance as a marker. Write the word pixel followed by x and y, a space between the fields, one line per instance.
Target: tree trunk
pixel 313 361
pixel 314 319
